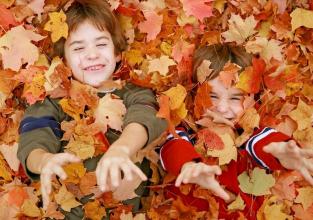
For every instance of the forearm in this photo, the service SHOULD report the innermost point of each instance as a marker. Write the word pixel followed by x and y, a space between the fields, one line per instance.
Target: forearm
pixel 132 139
pixel 36 159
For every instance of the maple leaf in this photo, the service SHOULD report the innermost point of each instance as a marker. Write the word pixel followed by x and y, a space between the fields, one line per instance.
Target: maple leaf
pixel 152 5
pixel 239 29
pixel 94 211
pixel 238 204
pixel 30 209
pixel 258 184
pixel 302 115
pixel 228 153
pixel 177 96
pixel 88 183
pixel 6 18
pixel 52 212
pixel 275 210
pixel 211 139
pixel 307 91
pixel 302 214
pixel 83 95
pixel 305 196
pixel 4 170
pixel 34 91
pixel 126 189
pixel 81 146
pixel 229 74
pixel 37 6
pixel 16 48
pixel 152 20
pixel 17 196
pixel 204 71
pixel 114 4
pixel 134 57
pixel 110 111
pixel 74 172
pixel 182 49
pixel 161 65
pixel 66 199
pixel 10 155
pixel 70 108
pixel 50 84
pixel 199 9
pixel 129 216
pixel 202 100
pixel 164 112
pixel 266 48
pixel 301 17
pixel 7 3
pixel 57 26
pixel 304 137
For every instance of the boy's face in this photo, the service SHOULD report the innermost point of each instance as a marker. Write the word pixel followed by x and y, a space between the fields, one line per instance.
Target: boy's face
pixel 226 101
pixel 90 54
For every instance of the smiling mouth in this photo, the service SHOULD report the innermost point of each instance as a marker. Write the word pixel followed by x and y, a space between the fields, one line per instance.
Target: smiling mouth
pixel 94 67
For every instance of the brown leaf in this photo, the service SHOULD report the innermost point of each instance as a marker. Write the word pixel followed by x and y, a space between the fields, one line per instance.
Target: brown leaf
pixel 94 210
pixel 66 199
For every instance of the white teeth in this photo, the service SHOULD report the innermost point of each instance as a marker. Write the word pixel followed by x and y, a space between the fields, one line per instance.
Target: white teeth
pixel 94 68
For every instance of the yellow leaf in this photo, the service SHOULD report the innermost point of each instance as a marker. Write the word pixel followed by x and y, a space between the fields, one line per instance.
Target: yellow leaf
pixel 307 91
pixel 266 48
pixel 183 19
pixel 29 208
pixel 302 115
pixel 258 184
pixel 265 28
pixel 181 112
pixel 204 71
pixel 42 61
pixel 49 85
pixel 57 26
pixel 228 153
pixel 4 170
pixel 305 196
pixel 110 111
pixel 134 57
pixel 166 48
pixel 238 204
pixel 275 210
pixel 239 29
pixel 301 17
pixel 81 146
pixel 94 211
pixel 74 172
pixel 219 5
pixel 177 96
pixel 161 65
pixel 292 88
pixel 249 120
pixel 304 137
pixel 7 3
pixel 66 199
pixel 71 109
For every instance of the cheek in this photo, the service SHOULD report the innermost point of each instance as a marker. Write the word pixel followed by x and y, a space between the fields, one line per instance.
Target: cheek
pixel 237 108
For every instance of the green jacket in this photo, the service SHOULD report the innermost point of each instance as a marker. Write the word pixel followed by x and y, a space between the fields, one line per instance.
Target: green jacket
pixel 138 101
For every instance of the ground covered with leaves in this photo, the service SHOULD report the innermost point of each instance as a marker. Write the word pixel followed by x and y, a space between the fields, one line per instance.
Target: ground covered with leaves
pixel 162 37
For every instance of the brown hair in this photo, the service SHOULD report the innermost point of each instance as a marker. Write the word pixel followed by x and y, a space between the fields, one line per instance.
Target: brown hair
pixel 99 14
pixel 219 55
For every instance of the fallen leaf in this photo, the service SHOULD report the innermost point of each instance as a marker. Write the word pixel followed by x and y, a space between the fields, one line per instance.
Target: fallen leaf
pixel 276 210
pixel 177 96
pixel 17 196
pixel 258 184
pixel 301 17
pixel 110 112
pixel 182 49
pixel 199 9
pixel 302 214
pixel 52 212
pixel 87 183
pixel 74 172
pixel 81 146
pixel 9 153
pixel 161 65
pixel 228 153
pixel 134 57
pixel 66 199
pixel 202 100
pixel 152 20
pixel 305 196
pixel 238 204
pixel 211 139
pixel 6 17
pixel 129 216
pixel 239 29
pixel 94 211
pixel 37 6
pixel 302 115
pixel 17 51
pixel 29 208
pixel 5 170
pixel 229 74
pixel 57 26
pixel 204 71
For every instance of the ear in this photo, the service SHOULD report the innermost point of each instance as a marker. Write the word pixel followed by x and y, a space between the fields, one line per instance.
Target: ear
pixel 118 57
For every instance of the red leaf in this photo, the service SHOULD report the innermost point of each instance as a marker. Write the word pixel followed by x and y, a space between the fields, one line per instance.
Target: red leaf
pixel 6 18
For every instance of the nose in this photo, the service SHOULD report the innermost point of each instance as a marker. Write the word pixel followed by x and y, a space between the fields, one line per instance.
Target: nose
pixel 92 53
pixel 222 106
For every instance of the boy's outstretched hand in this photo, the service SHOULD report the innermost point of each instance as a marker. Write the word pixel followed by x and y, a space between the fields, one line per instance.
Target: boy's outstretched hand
pixel 52 165
pixel 293 157
pixel 203 175
pixel 109 168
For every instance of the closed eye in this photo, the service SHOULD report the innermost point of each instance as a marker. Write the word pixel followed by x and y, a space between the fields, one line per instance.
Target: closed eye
pixel 78 48
pixel 235 98
pixel 213 96
pixel 101 45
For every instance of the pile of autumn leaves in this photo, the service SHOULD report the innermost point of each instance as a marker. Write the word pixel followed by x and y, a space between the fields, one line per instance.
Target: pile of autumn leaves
pixel 278 31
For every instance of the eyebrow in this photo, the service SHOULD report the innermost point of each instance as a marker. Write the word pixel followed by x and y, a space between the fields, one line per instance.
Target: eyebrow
pixel 97 39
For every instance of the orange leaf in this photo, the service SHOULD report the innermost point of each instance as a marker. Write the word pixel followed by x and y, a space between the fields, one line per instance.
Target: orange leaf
pixel 6 18
pixel 202 100
pixel 211 139
pixel 17 196
pixel 94 211
pixel 164 112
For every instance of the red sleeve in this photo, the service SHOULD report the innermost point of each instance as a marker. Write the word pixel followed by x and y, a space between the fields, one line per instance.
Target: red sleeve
pixel 175 153
pixel 258 141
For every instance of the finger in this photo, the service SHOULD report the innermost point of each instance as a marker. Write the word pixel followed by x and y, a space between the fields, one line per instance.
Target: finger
pixel 45 190
pixel 102 174
pixel 308 164
pixel 214 169
pixel 216 188
pixel 199 168
pixel 187 175
pixel 67 158
pixel 59 172
pixel 136 170
pixel 128 175
pixel 307 176
pixel 306 152
pixel 181 177
pixel 115 175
